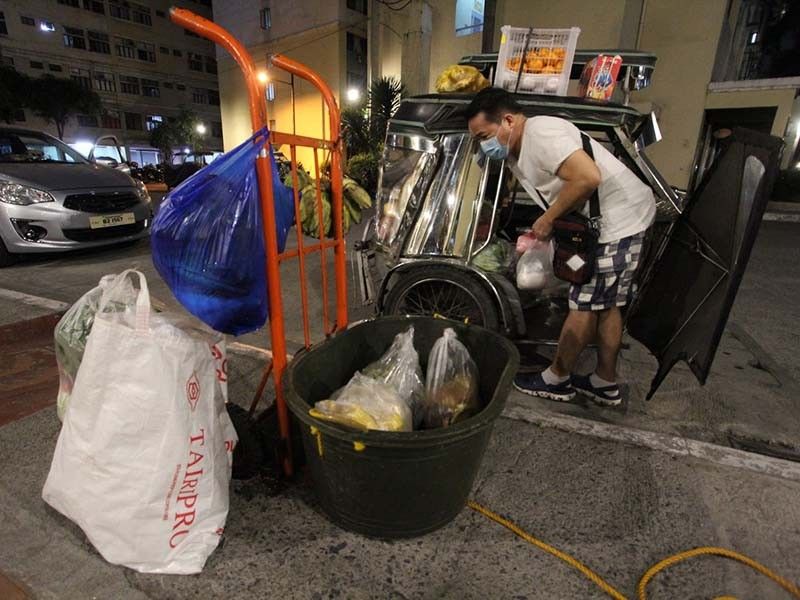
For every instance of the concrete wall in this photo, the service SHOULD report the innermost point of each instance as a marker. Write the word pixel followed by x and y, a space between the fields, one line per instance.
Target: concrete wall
pixel 601 21
pixel 684 35
pixel 321 49
pixel 782 99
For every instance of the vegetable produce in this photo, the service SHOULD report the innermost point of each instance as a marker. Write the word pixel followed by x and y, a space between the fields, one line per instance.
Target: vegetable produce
pixel 461 78
pixel 496 257
pixel 452 386
pixel 365 403
pixel 354 199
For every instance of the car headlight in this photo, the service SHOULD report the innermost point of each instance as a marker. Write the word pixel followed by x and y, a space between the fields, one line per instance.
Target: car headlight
pixel 141 191
pixel 22 195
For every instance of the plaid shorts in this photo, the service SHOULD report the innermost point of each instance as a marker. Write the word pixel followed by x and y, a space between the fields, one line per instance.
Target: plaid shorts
pixel 613 276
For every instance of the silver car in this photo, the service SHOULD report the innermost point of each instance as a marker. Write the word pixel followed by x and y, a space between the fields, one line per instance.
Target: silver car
pixel 52 199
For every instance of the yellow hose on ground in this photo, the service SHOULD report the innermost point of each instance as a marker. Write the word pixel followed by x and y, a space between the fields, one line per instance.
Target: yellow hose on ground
pixel 651 572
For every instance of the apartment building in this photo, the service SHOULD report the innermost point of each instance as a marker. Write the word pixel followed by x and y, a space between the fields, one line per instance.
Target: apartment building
pixel 143 67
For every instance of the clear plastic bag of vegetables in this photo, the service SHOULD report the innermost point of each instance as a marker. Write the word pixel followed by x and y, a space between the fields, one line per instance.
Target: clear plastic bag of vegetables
pixel 74 327
pixel 366 403
pixel 452 383
pixel 399 367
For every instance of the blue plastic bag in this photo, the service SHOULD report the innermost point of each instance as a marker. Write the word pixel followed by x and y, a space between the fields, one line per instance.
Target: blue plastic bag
pixel 208 243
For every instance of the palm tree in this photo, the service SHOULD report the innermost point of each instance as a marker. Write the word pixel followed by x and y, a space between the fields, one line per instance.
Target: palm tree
pixel 364 129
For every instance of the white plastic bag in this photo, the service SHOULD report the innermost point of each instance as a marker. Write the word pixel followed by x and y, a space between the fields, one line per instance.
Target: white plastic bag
pixel 366 403
pixel 399 367
pixel 452 383
pixel 535 267
pixel 143 461
pixel 74 327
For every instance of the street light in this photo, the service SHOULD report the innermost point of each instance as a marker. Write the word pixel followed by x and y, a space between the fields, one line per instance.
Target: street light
pixel 200 128
pixel 353 95
pixel 262 77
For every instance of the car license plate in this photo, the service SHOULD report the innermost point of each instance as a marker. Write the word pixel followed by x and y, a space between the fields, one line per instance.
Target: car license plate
pixel 111 220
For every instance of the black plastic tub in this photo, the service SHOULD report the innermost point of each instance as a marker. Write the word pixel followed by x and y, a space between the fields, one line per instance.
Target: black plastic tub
pixel 394 484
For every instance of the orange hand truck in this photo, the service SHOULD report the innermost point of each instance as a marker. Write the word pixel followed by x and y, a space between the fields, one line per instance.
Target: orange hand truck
pixel 259 118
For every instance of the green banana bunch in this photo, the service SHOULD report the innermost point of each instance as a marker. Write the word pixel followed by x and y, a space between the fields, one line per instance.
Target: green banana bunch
pixel 354 200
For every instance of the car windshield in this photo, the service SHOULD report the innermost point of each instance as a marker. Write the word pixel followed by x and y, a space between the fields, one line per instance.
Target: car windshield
pixel 30 147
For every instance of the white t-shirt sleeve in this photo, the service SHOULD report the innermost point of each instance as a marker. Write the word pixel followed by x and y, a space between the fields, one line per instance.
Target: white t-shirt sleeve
pixel 552 141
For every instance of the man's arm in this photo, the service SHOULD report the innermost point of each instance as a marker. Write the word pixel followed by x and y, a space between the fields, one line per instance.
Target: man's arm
pixel 581 177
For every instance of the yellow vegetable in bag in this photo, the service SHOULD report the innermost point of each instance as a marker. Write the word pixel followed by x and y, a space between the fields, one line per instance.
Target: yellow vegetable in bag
pixel 461 78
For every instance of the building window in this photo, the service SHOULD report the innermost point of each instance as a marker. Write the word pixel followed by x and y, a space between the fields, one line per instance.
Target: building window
pixel 163 50
pixel 81 76
pixel 358 6
pixel 28 21
pixel 271 91
pixel 104 82
pixel 7 60
pixel 74 3
pixel 126 48
pixel 211 65
pixel 87 120
pixel 141 14
pixel 759 41
pixel 176 52
pixel 356 61
pixel 119 9
pixel 265 17
pixel 111 120
pixel 35 64
pixel 167 85
pixel 199 96
pixel 19 114
pixel 133 121
pixel 469 16
pixel 195 61
pixel 153 121
pixel 98 42
pixel 180 86
pixel 161 13
pixel 73 38
pixel 55 68
pixel 213 97
pixel 190 33
pixel 129 85
pixel 95 6
pixel 216 129
pixel 150 88
pixel 146 51
pixel 47 26
pixel 3 28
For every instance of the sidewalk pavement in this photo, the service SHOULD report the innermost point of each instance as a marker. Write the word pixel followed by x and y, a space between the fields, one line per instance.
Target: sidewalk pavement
pixel 617 507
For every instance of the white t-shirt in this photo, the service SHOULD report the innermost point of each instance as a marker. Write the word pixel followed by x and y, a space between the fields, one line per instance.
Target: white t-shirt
pixel 627 205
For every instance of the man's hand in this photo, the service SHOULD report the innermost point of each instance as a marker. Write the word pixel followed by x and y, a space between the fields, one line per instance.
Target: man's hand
pixel 543 228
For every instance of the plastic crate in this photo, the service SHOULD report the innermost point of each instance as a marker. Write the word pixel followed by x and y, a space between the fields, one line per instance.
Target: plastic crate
pixel 544 55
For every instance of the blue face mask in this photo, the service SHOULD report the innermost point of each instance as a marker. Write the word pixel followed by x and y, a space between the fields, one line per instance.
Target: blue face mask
pixel 492 148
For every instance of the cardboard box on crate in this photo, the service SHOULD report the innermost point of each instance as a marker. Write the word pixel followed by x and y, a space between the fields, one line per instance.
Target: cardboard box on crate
pixel 599 77
pixel 536 61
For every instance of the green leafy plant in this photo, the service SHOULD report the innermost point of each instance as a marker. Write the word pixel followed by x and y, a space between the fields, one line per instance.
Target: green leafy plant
pixel 178 131
pixel 14 92
pixel 364 129
pixel 56 100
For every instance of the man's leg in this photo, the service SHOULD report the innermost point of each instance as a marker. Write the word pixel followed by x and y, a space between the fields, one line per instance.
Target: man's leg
pixel 554 383
pixel 609 341
pixel 578 331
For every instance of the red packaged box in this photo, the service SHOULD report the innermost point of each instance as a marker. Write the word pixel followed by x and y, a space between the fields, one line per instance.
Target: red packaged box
pixel 599 77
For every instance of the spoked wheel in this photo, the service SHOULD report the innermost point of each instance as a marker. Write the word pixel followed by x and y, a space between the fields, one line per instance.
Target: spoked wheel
pixel 437 290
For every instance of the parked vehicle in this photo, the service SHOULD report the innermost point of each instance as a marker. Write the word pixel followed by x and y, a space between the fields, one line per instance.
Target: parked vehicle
pixel 184 165
pixel 52 199
pixel 439 207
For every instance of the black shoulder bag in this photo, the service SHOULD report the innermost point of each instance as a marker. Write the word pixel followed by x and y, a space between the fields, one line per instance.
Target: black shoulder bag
pixel 575 237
